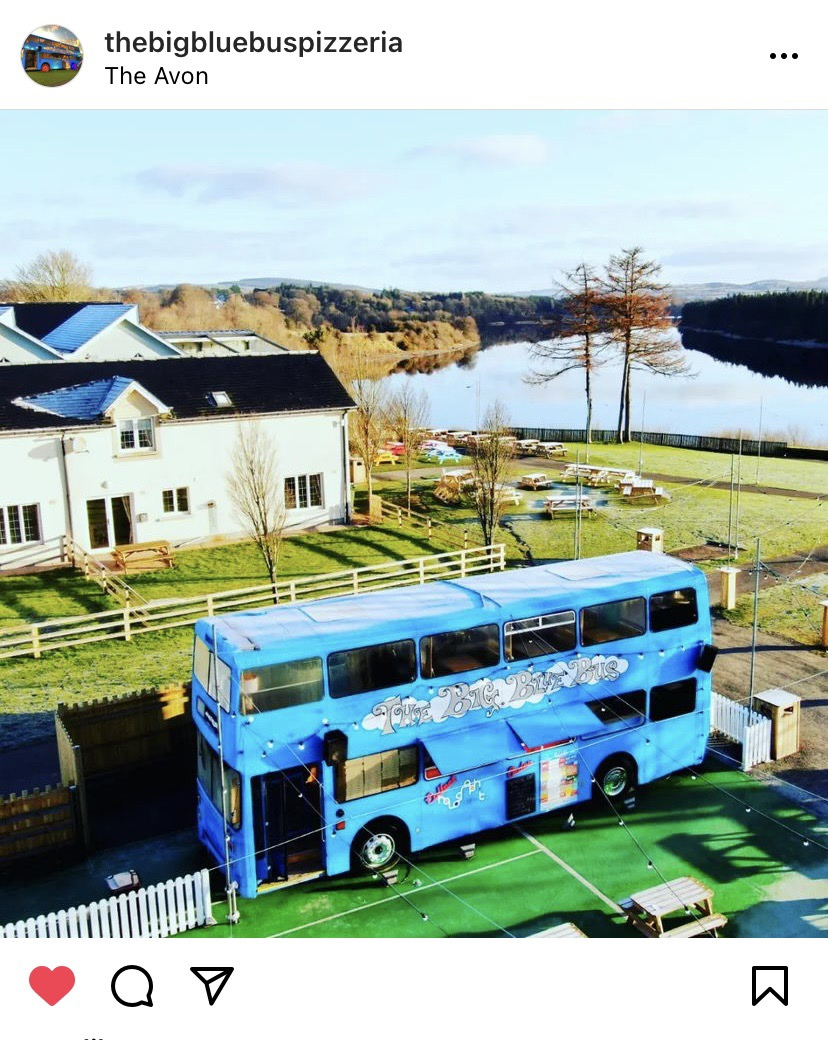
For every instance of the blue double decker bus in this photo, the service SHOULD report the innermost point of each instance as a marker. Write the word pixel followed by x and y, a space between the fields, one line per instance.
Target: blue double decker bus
pixel 347 732
pixel 42 54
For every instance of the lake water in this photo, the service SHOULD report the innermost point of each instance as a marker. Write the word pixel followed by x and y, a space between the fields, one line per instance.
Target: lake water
pixel 720 397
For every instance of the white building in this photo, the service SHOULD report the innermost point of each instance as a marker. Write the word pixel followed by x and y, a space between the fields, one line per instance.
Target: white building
pixel 114 453
pixel 37 332
pixel 221 342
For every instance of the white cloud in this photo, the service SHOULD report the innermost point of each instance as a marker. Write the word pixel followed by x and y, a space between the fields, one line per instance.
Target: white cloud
pixel 493 150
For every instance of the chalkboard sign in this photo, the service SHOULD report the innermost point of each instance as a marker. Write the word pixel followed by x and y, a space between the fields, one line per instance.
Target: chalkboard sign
pixel 521 799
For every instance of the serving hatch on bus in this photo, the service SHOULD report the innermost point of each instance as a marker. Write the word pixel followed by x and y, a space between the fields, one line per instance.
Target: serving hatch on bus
pixel 349 732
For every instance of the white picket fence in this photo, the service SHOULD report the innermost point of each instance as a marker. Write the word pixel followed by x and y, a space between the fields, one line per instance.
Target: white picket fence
pixel 748 728
pixel 179 905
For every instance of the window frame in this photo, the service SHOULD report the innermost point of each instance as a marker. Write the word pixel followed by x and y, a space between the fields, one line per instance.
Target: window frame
pixel 431 672
pixel 134 428
pixel 207 762
pixel 333 681
pixel 18 521
pixel 666 609
pixel 176 495
pixel 303 490
pixel 408 773
pixel 614 637
pixel 247 698
pixel 656 692
pixel 540 627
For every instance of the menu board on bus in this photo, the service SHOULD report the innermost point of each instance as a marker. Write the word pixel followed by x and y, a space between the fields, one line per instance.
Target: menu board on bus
pixel 558 776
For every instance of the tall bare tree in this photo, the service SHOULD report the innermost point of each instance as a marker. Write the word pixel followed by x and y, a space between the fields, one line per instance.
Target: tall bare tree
pixel 576 344
pixel 638 306
pixel 52 277
pixel 254 489
pixel 491 459
pixel 408 413
pixel 368 423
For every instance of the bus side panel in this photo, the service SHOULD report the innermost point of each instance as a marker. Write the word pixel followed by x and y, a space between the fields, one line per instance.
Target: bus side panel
pixel 461 804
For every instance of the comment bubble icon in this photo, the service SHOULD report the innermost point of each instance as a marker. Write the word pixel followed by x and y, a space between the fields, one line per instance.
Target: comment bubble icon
pixel 132 986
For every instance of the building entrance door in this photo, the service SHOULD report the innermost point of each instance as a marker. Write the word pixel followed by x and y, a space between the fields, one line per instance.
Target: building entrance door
pixel 110 521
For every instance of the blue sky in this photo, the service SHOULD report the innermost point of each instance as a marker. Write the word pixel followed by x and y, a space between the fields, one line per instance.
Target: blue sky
pixel 498 201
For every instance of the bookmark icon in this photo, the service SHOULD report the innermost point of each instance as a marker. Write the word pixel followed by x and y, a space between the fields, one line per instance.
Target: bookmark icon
pixel 214 981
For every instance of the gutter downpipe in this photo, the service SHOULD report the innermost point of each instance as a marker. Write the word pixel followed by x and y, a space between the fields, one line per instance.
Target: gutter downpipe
pixel 67 494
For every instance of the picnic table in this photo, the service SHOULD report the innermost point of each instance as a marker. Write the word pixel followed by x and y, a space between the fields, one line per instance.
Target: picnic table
pixel 555 504
pixel 549 449
pixel 568 930
pixel 155 552
pixel 646 910
pixel 535 481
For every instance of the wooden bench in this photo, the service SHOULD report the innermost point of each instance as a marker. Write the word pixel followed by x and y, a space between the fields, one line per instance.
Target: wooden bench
pixel 700 926
pixel 560 931
pixel 156 552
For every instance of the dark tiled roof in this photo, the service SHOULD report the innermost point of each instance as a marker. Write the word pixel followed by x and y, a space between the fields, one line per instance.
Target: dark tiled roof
pixel 259 384
pixel 201 333
pixel 39 319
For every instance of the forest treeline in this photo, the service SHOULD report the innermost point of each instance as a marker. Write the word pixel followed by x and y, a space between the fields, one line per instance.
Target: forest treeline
pixel 801 316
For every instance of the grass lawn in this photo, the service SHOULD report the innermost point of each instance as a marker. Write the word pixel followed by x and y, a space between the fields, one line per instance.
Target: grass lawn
pixel 765 881
pixel 795 474
pixel 31 689
pixel 55 78
pixel 790 610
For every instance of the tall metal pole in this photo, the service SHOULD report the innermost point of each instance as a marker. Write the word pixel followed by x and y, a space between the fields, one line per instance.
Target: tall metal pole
pixel 756 565
pixel 229 885
pixel 641 434
pixel 577 532
pixel 738 501
pixel 730 510
pixel 759 450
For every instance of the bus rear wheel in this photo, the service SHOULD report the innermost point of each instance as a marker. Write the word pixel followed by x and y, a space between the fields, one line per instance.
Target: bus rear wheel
pixel 378 846
pixel 616 777
pixel 45 67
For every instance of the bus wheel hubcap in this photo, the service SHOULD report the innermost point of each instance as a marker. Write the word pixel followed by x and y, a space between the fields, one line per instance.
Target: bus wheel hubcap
pixel 377 851
pixel 615 780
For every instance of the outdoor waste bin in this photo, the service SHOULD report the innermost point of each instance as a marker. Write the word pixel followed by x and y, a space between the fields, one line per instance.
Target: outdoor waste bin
pixel 782 708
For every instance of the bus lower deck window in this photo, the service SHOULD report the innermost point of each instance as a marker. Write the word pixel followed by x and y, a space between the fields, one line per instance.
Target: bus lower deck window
pixel 209 773
pixel 283 685
pixel 606 622
pixel 625 707
pixel 538 636
pixel 463 651
pixel 673 699
pixel 372 774
pixel 673 609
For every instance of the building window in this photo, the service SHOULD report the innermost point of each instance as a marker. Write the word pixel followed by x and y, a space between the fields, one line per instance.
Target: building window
pixel 372 774
pixel 538 636
pixel 176 500
pixel 220 398
pixel 19 524
pixel 136 435
pixel 302 492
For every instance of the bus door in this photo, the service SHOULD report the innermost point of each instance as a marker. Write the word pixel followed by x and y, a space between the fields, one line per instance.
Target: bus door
pixel 288 823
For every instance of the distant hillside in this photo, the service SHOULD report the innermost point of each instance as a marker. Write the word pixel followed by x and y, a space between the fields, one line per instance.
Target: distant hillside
pixel 714 290
pixel 783 317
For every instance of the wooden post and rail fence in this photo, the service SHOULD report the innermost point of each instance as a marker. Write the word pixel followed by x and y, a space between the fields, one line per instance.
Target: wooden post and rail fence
pixel 134 618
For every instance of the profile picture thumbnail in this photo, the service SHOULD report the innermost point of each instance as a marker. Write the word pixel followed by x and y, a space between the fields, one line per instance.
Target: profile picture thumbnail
pixel 51 55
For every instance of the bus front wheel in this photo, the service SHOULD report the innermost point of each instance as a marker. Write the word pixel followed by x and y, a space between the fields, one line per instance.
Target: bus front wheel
pixel 616 777
pixel 45 67
pixel 378 846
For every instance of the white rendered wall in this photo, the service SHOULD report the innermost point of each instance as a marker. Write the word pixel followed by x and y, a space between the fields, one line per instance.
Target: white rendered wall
pixel 123 342
pixel 195 455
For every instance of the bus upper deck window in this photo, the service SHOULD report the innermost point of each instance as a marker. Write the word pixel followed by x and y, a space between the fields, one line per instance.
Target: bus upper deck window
pixel 449 653
pixel 281 685
pixel 378 667
pixel 673 609
pixel 621 619
pixel 202 659
pixel 538 636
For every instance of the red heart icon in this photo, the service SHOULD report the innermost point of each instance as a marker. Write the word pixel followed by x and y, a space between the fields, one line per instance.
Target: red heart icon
pixel 52 984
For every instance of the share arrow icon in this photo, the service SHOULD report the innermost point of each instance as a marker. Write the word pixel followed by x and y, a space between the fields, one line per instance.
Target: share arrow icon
pixel 214 979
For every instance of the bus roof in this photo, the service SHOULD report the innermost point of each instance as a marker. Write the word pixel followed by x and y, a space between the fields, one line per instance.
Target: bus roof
pixel 466 600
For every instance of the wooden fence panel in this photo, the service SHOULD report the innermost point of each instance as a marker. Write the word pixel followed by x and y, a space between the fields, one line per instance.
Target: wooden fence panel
pixel 38 822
